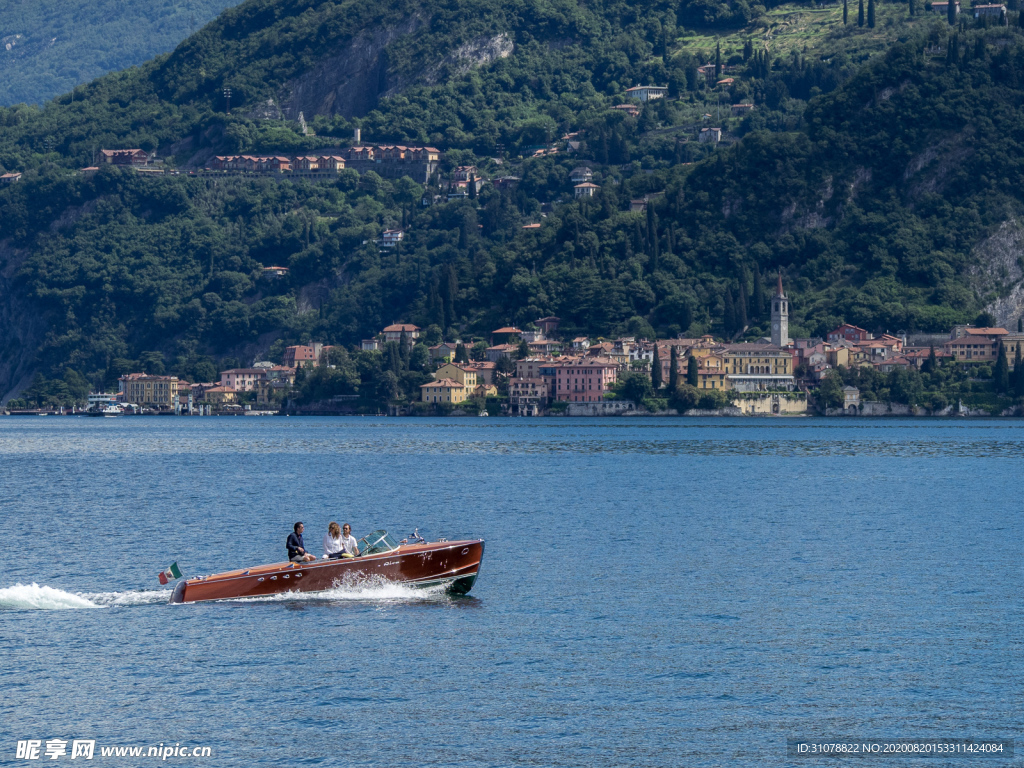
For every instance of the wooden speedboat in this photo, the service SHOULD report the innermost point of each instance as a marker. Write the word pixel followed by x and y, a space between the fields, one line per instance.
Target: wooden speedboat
pixel 453 564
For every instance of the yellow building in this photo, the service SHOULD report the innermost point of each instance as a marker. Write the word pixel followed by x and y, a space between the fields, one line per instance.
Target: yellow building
pixel 443 391
pixel 840 356
pixel 755 359
pixel 465 375
pixel 759 368
pixel 1012 341
pixel 151 391
pixel 711 379
pixel 220 395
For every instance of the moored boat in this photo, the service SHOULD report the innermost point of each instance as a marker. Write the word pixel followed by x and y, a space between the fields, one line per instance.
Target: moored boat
pixel 452 564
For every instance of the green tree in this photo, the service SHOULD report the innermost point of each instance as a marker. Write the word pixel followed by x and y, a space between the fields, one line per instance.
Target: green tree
pixel 656 369
pixel 633 386
pixel 950 12
pixel 718 59
pixel 871 14
pixel 433 335
pixel 712 399
pixel 905 386
pixel 673 369
pixel 846 14
pixel 692 371
pixel 461 354
pixel 1001 374
pixel 931 363
pixel 523 350
pixel 684 398
pixel 860 13
pixel 829 393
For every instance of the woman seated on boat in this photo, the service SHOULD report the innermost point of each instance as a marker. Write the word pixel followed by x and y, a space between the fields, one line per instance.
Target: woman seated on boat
pixel 296 546
pixel 333 546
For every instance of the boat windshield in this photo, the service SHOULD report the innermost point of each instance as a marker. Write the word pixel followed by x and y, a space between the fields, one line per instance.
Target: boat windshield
pixel 377 542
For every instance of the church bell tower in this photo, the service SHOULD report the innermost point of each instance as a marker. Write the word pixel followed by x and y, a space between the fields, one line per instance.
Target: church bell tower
pixel 780 317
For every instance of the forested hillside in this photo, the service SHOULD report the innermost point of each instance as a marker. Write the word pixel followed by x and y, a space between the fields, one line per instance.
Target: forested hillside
pixel 876 184
pixel 48 47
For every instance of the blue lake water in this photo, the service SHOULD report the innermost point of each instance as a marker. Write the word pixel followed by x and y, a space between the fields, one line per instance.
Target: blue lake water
pixel 655 592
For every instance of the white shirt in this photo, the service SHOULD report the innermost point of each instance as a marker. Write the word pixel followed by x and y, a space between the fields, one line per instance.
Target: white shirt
pixel 331 544
pixel 349 544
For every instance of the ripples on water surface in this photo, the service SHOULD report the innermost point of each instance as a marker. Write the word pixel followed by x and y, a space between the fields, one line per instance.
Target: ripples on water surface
pixel 654 593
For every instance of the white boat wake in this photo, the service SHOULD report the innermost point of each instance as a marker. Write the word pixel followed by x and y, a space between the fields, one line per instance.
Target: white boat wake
pixel 373 589
pixel 33 597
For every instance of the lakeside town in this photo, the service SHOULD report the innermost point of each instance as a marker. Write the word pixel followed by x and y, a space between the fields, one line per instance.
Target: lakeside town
pixel 537 372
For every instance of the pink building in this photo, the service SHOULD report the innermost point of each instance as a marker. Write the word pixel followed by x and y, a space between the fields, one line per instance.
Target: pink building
pixel 304 355
pixel 584 381
pixel 847 332
pixel 242 379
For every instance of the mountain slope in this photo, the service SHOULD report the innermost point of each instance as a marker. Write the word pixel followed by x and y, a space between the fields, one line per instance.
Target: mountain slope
pixel 48 47
pixel 878 198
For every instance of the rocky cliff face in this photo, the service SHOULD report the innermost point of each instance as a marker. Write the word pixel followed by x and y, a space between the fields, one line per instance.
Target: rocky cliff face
pixel 998 273
pixel 24 327
pixel 351 82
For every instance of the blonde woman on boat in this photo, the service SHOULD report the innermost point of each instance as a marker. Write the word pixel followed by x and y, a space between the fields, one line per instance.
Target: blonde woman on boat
pixel 333 543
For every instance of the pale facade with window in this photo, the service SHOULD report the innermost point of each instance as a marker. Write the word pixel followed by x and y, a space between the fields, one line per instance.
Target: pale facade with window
pixel 443 391
pixel 759 368
pixel 585 381
pixel 154 391
pixel 465 375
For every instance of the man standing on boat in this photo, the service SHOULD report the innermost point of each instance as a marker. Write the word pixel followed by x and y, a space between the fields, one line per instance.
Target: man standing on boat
pixel 296 546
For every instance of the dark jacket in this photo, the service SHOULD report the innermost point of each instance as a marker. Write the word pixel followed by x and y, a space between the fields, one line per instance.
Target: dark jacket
pixel 294 544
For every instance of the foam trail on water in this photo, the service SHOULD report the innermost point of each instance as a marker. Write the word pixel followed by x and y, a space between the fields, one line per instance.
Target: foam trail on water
pixel 120 599
pixel 32 597
pixel 366 590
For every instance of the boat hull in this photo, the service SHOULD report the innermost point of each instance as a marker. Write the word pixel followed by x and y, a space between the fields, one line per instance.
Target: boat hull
pixel 453 564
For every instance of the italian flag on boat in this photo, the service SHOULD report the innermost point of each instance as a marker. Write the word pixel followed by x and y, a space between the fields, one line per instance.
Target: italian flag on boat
pixel 170 573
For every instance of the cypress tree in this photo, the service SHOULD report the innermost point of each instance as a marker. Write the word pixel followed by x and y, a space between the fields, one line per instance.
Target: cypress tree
pixel 757 302
pixel 846 13
pixel 871 14
pixel 1001 375
pixel 912 7
pixel 1018 374
pixel 471 187
pixel 741 308
pixel 860 14
pixel 931 363
pixel 718 59
pixel 748 48
pixel 691 371
pixel 1020 320
pixel 461 355
pixel 673 368
pixel 652 236
pixel 1020 19
pixel 729 313
pixel 656 369
pixel 951 12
